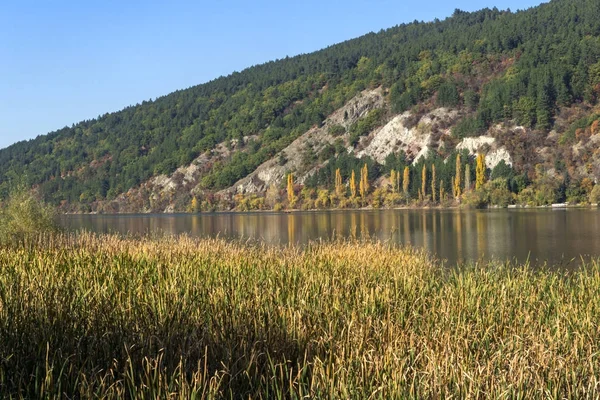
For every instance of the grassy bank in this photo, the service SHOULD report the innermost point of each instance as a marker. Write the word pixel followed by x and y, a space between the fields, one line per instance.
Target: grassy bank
pixel 88 316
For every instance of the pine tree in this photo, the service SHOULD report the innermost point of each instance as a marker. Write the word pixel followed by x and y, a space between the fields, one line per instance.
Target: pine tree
pixel 457 176
pixel 433 178
pixel 544 106
pixel 353 184
pixel 480 172
pixel 406 181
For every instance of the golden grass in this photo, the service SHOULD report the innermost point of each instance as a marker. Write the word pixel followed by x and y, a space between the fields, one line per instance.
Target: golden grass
pixel 102 316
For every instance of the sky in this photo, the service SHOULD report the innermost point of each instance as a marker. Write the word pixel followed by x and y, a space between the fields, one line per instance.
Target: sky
pixel 62 62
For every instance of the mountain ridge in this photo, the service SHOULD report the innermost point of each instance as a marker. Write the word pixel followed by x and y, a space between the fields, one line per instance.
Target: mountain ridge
pixel 537 69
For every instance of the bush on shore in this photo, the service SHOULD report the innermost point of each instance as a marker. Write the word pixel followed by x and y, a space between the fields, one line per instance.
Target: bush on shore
pixel 22 215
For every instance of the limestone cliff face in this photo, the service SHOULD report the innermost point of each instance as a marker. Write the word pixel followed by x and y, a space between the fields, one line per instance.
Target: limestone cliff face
pixel 486 145
pixel 415 139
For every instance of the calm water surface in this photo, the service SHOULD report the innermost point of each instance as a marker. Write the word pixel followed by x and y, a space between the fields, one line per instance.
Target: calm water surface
pixel 558 237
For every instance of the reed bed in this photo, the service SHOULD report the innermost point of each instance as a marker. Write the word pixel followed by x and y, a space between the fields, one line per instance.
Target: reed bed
pixel 86 316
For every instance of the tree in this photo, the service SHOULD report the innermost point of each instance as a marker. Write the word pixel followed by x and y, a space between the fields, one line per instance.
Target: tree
pixel 23 216
pixel 594 196
pixel 480 172
pixel 364 181
pixel 339 186
pixel 194 205
pixel 406 181
pixel 525 111
pixel 467 178
pixel 544 107
pixel 290 189
pixel 433 181
pixel 353 185
pixel 424 181
pixel 457 175
pixel 393 180
pixel 448 95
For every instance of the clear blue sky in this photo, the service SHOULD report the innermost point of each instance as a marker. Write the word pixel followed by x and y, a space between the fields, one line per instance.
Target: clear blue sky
pixel 65 61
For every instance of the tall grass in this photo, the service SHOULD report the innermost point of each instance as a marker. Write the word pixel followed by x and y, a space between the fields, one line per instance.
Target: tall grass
pixel 102 316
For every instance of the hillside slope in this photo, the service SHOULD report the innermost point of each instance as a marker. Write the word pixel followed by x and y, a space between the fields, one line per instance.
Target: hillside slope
pixel 519 87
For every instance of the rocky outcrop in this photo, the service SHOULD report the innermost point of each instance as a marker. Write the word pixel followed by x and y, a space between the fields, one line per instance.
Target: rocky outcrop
pixel 290 159
pixel 486 145
pixel 415 141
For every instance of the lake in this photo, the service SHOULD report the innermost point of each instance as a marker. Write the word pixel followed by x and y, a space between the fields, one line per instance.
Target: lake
pixel 556 236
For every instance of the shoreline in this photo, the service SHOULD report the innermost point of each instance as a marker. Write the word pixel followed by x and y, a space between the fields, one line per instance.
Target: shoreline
pixel 290 211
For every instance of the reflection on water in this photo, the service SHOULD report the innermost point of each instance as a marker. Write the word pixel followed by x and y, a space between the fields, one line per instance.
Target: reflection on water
pixel 555 236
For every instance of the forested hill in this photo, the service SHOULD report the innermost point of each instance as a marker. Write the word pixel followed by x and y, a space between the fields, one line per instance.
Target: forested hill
pixel 537 69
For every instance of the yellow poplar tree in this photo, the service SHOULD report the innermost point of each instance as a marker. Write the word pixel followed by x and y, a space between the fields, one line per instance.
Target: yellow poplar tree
pixel 433 190
pixel 480 172
pixel 467 178
pixel 424 181
pixel 393 180
pixel 367 186
pixel 339 186
pixel 364 181
pixel 353 184
pixel 442 194
pixel 406 180
pixel 457 177
pixel 290 189
pixel 194 204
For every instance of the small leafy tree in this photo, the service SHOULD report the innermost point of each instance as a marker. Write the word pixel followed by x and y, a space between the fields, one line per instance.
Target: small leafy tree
pixel 595 195
pixel 23 216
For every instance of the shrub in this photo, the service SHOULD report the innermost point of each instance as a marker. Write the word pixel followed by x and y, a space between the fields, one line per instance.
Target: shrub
pixel 23 216
pixel 365 125
pixel 498 192
pixel 475 199
pixel 336 130
pixel 595 195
